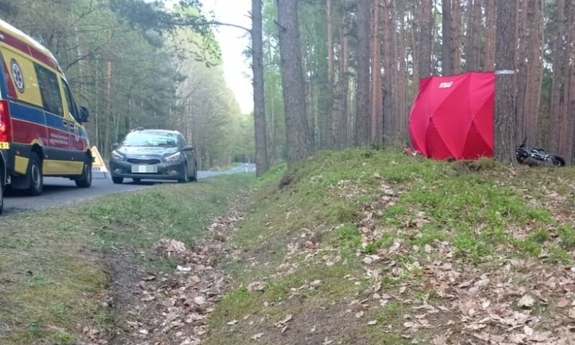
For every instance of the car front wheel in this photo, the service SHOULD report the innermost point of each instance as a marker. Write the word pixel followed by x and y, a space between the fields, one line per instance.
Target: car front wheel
pixel 185 178
pixel 194 177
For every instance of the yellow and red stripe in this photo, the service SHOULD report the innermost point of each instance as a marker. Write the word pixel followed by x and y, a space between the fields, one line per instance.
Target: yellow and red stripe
pixel 29 50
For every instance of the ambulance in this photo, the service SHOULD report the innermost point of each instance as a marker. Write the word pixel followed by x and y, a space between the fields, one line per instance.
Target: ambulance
pixel 41 126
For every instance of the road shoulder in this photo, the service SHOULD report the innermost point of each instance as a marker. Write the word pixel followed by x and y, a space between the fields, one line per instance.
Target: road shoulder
pixel 59 266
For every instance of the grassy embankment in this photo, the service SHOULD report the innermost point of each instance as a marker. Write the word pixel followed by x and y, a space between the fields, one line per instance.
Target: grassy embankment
pixel 54 276
pixel 352 247
pixel 374 247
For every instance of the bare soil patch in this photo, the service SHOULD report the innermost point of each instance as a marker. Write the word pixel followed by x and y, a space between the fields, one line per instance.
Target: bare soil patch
pixel 171 307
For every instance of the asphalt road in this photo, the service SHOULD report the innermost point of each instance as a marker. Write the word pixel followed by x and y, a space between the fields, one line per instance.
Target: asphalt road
pixel 61 191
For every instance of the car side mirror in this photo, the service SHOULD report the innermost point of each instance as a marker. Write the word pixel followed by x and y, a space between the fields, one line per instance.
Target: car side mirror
pixel 115 146
pixel 189 148
pixel 84 114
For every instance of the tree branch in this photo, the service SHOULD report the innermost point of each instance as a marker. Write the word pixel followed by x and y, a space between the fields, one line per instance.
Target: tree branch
pixel 202 23
pixel 81 58
pixel 90 10
pixel 87 55
pixel 278 24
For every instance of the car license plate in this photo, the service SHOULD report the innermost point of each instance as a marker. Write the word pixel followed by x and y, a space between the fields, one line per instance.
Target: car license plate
pixel 4 146
pixel 143 169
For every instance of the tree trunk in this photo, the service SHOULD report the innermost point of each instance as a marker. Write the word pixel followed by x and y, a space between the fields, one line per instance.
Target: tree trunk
pixel 262 163
pixel 337 104
pixel 388 62
pixel 330 57
pixel 362 98
pixel 414 18
pixel 109 116
pixel 425 40
pixel 314 139
pixel 535 70
pixel 344 82
pixel 505 91
pixel 402 76
pixel 395 85
pixel 571 106
pixel 376 99
pixel 555 113
pixel 456 35
pixel 568 154
pixel 339 122
pixel 333 121
pixel 491 22
pixel 523 93
pixel 447 38
pixel 473 36
pixel 297 130
pixel 566 143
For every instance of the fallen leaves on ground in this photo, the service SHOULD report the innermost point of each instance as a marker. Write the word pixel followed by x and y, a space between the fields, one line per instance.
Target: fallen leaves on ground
pixel 173 306
pixel 170 247
pixel 256 286
pixel 509 303
pixel 512 303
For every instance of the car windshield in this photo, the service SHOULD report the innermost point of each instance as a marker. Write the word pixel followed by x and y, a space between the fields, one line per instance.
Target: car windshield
pixel 150 139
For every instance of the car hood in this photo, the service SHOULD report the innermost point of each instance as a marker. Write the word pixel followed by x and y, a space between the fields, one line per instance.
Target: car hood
pixel 146 152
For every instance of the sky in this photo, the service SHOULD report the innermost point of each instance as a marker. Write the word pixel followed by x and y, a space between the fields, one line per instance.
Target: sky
pixel 233 42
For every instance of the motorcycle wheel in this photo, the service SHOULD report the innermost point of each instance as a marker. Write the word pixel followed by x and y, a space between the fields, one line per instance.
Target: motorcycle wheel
pixel 558 160
pixel 521 156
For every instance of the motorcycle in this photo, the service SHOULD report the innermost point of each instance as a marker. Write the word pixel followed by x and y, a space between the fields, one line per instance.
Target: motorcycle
pixel 537 156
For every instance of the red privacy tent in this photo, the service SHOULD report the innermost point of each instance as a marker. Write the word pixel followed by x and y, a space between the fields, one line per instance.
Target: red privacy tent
pixel 452 117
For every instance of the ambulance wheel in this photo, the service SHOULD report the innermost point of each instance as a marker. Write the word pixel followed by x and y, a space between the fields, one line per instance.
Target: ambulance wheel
pixel 2 187
pixel 85 180
pixel 35 174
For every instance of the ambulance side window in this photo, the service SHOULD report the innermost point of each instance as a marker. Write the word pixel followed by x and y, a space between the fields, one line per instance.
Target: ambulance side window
pixel 49 90
pixel 70 100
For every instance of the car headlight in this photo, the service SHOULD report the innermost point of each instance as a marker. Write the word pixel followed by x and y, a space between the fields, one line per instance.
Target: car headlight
pixel 173 158
pixel 117 156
